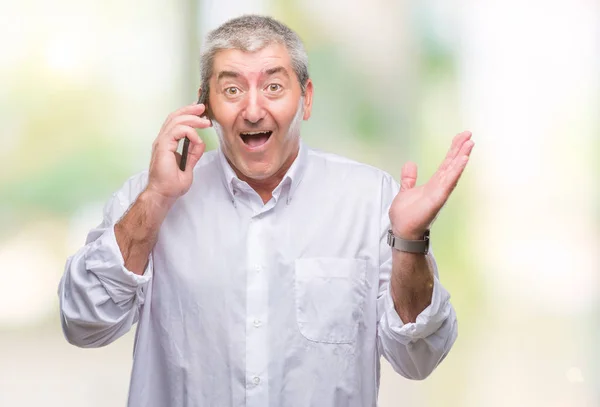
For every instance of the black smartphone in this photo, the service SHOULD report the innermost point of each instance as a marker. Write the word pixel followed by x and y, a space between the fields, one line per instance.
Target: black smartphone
pixel 186 141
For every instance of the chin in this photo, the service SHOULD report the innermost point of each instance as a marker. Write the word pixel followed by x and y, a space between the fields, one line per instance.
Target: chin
pixel 258 172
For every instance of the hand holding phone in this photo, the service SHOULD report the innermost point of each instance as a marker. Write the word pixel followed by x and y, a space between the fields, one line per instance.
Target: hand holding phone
pixel 186 141
pixel 165 176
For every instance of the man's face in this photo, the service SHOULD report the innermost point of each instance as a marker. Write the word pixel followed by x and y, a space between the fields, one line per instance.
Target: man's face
pixel 256 107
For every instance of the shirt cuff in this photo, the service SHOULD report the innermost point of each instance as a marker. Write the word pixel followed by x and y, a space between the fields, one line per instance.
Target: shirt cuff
pixel 104 259
pixel 428 321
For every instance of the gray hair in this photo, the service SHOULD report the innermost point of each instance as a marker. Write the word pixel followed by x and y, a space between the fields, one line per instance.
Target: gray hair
pixel 252 33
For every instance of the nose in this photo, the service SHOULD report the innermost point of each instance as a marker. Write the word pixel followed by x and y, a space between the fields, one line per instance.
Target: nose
pixel 254 111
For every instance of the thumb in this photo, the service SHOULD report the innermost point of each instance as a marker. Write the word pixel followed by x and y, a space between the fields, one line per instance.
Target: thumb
pixel 408 179
pixel 194 155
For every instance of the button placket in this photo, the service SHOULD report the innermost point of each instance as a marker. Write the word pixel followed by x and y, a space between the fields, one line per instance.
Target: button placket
pixel 257 294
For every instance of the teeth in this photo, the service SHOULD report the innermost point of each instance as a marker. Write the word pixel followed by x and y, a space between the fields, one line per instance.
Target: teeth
pixel 252 133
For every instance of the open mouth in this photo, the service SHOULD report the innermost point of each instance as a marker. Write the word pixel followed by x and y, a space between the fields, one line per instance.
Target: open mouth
pixel 255 139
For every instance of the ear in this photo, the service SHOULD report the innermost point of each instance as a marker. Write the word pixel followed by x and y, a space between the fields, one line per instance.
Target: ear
pixel 308 94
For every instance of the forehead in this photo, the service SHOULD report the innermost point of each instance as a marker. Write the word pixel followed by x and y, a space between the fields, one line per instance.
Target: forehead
pixel 250 64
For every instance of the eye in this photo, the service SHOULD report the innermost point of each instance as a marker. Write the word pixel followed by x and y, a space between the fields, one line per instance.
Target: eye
pixel 274 87
pixel 232 91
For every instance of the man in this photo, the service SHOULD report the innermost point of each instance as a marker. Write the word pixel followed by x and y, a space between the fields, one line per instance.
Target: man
pixel 262 274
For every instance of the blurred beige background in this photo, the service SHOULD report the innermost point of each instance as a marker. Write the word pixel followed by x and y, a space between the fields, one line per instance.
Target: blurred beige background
pixel 86 85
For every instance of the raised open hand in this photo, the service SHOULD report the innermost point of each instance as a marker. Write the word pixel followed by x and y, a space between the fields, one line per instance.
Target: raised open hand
pixel 414 209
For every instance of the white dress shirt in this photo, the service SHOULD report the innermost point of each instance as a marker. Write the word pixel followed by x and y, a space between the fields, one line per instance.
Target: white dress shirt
pixel 283 304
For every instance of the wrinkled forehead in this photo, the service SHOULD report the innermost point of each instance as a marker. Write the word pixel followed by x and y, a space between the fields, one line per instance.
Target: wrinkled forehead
pixel 274 59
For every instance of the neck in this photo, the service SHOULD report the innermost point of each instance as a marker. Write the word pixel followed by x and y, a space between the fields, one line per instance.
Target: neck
pixel 264 187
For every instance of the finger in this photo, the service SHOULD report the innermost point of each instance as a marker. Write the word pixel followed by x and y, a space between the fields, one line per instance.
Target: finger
pixel 456 169
pixel 181 131
pixel 188 120
pixel 170 140
pixel 457 144
pixel 408 179
pixel 194 109
pixel 194 155
pixel 466 149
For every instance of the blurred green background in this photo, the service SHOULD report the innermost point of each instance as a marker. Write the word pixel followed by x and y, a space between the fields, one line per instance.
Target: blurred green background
pixel 86 86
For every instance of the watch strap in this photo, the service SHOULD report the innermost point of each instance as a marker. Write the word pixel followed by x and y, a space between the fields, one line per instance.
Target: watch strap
pixel 410 246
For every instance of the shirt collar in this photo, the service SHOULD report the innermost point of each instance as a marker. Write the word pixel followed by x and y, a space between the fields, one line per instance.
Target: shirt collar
pixel 292 177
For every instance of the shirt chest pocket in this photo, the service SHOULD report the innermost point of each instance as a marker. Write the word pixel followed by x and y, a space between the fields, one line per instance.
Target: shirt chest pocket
pixel 330 295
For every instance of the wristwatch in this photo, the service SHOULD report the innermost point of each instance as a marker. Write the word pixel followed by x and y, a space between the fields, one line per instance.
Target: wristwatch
pixel 410 246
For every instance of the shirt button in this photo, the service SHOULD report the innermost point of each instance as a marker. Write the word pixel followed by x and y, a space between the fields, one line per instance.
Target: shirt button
pixel 257 323
pixel 257 267
pixel 256 379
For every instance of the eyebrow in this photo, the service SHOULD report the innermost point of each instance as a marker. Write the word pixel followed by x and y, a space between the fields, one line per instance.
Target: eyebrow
pixel 227 74
pixel 277 69
pixel 268 72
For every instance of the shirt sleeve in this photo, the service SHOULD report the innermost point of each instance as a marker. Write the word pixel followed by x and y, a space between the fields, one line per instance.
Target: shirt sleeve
pixel 100 298
pixel 413 349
